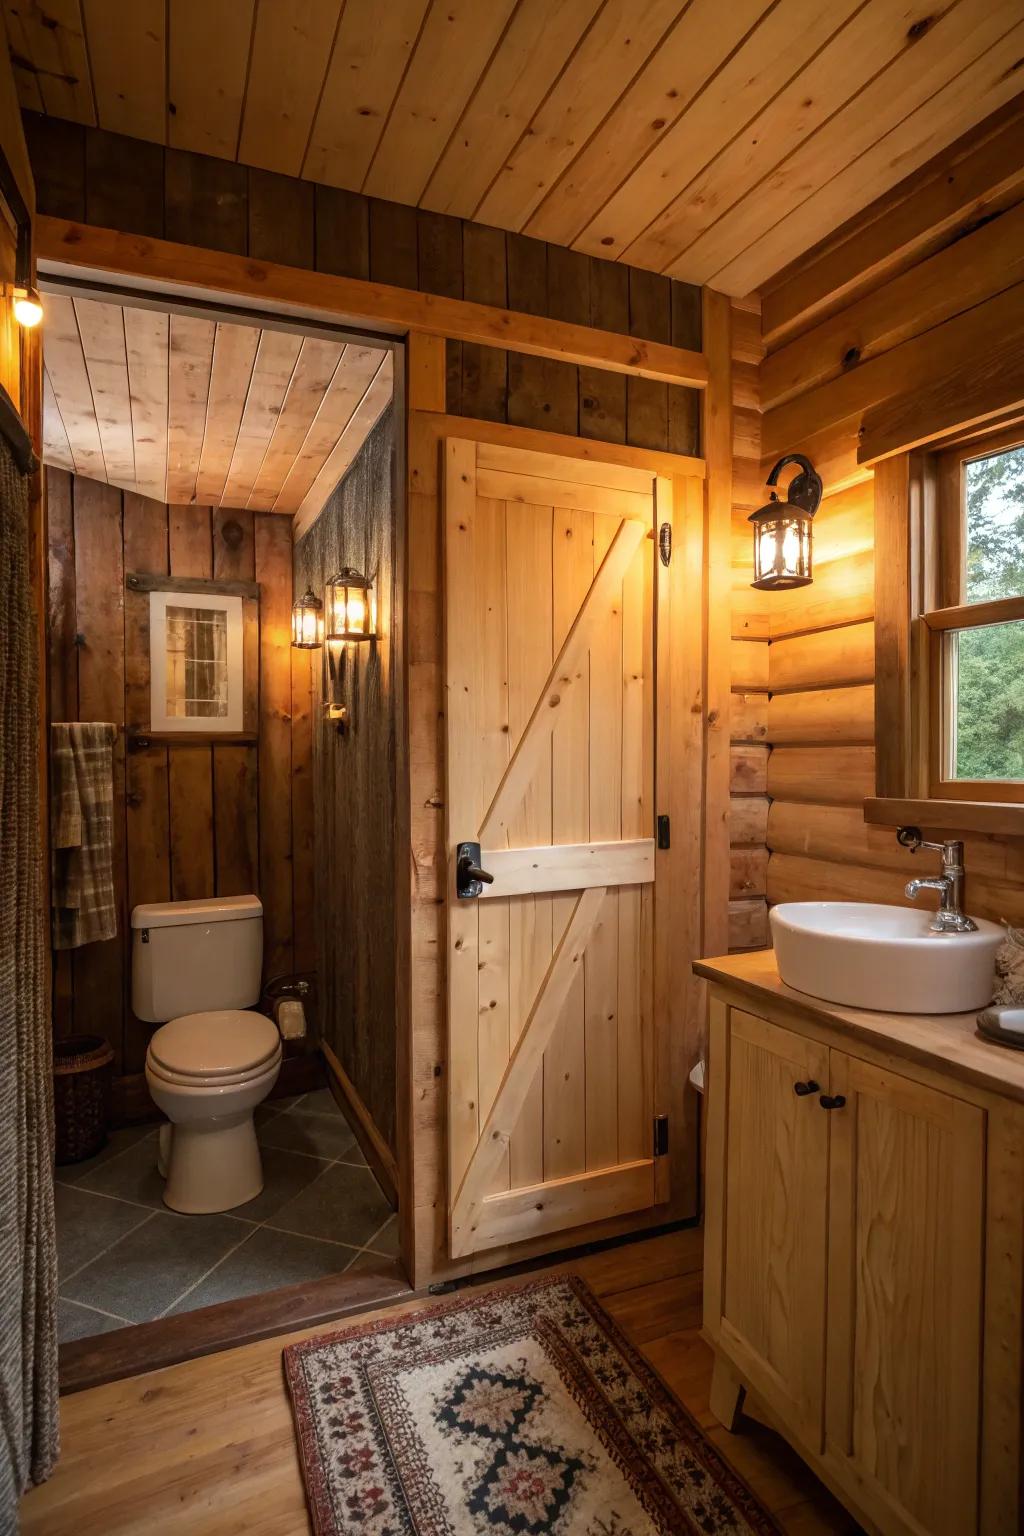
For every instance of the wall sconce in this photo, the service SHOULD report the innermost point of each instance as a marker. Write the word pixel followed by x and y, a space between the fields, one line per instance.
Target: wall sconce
pixel 348 599
pixel 350 615
pixel 782 529
pixel 307 621
pixel 28 306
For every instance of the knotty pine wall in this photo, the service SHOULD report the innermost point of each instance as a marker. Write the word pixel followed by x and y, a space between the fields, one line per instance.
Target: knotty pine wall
pixel 106 179
pixel 191 820
pixel 875 326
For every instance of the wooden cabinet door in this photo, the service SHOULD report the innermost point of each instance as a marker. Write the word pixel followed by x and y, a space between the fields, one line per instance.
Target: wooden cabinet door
pixel 907 1180
pixel 765 1263
pixel 550 571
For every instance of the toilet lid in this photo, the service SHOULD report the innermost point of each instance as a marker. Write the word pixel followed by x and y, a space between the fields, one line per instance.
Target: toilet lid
pixel 222 1043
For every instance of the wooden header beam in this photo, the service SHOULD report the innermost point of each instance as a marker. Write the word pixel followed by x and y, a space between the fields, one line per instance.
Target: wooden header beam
pixel 147 265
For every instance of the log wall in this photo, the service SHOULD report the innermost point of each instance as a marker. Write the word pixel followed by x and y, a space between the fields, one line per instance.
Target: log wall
pixel 881 322
pixel 190 820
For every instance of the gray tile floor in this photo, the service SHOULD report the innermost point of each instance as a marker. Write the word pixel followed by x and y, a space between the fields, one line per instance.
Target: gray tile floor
pixel 125 1258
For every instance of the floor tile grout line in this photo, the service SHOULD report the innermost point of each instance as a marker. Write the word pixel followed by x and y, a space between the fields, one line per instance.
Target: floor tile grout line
pixel 100 1311
pixel 101 1194
pixel 207 1273
pixel 104 1251
pixel 73 1184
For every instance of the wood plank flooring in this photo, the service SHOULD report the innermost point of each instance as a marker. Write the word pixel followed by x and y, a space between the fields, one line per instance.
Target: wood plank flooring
pixel 206 1448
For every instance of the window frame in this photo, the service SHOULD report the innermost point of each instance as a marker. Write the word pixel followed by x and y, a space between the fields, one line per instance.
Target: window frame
pixel 943 559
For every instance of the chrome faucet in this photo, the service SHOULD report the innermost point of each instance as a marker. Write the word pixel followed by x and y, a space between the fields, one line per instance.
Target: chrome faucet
pixel 950 918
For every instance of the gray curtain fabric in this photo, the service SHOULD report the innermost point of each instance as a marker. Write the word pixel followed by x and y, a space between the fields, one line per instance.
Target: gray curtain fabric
pixel 28 1257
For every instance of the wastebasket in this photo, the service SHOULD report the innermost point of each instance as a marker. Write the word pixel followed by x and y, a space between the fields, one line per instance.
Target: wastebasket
pixel 81 1095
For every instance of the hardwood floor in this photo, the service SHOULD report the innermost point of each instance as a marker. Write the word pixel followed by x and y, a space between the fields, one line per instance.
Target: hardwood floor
pixel 205 1448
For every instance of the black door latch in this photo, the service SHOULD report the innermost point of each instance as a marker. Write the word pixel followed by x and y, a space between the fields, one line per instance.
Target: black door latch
pixel 470 879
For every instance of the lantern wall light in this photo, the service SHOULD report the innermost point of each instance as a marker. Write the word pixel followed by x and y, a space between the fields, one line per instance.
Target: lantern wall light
pixel 782 529
pixel 307 621
pixel 350 609
pixel 28 306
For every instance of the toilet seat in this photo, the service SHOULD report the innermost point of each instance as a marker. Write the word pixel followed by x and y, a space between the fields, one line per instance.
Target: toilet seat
pixel 191 1080
pixel 227 1045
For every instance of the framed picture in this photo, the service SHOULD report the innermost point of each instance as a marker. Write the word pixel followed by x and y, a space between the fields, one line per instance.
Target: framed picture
pixel 197 670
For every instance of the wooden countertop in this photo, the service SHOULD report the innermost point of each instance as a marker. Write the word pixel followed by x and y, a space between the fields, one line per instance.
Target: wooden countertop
pixel 945 1041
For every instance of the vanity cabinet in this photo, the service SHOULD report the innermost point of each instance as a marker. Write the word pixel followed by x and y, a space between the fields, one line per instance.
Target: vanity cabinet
pixel 864 1278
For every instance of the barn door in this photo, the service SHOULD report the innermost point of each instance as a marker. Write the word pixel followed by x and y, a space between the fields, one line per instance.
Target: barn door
pixel 549 602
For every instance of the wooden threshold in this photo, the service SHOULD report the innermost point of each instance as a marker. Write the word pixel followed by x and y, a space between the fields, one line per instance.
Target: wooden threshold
pixel 169 1340
pixel 69 249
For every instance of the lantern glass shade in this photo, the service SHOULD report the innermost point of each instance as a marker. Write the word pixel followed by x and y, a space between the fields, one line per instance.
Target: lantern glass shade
pixel 28 307
pixel 349 605
pixel 782 546
pixel 307 622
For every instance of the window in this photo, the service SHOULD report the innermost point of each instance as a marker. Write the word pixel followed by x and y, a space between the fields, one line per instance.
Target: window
pixel 975 660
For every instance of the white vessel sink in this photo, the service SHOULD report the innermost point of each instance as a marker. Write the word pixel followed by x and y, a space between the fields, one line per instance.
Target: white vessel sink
pixel 886 958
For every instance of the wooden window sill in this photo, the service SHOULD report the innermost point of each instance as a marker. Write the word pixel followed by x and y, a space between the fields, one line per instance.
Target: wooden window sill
pixel 1000 817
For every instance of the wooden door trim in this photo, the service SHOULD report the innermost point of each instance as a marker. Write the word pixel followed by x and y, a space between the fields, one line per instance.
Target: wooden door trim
pixel 565 673
pixel 567 867
pixel 523 1063
pixel 65 246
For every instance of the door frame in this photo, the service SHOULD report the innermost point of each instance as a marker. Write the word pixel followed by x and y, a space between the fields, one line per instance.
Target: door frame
pixel 680 794
pixel 700 676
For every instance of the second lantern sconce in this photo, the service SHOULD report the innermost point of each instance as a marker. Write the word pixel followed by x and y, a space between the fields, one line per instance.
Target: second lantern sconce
pixel 345 617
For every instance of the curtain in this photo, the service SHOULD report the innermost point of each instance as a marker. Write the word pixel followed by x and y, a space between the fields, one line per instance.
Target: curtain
pixel 28 1258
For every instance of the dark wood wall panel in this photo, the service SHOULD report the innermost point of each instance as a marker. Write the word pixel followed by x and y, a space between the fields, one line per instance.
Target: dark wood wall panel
pixel 191 820
pixel 141 188
pixel 352 809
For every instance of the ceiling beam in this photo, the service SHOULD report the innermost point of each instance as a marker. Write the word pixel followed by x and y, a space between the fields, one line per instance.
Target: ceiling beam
pixel 72 249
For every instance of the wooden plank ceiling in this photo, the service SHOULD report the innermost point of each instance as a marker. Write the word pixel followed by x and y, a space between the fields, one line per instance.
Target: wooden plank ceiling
pixel 185 409
pixel 676 135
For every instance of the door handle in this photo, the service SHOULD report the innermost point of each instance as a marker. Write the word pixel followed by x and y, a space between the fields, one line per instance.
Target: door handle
pixel 832 1101
pixel 470 878
pixel 803 1089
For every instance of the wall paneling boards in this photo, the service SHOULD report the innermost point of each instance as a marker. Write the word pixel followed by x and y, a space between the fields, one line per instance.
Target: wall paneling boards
pixel 354 790
pixel 141 188
pixel 190 820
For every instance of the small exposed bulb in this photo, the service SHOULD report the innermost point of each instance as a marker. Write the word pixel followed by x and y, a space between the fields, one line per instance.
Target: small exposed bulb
pixel 28 311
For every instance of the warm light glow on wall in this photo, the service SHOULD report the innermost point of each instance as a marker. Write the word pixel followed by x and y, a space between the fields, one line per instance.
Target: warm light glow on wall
pixel 28 307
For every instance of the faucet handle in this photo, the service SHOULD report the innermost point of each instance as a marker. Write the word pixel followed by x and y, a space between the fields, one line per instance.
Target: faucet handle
pixel 952 850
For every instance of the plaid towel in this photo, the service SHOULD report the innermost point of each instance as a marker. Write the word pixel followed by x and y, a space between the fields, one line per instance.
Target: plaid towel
pixel 82 832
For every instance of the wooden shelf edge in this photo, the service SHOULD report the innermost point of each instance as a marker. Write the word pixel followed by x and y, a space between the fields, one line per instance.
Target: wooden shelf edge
pixel 1001 817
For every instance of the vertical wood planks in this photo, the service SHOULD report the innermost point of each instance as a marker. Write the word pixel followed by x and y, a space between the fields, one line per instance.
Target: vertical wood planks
pixel 718 568
pixel 99 969
pixel 235 767
pixel 191 766
pixel 528 576
pixel 564 1061
pixel 274 574
pixel 62 673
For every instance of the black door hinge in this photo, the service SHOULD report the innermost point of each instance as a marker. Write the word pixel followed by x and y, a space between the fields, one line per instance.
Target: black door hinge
pixel 664 832
pixel 665 542
pixel 660 1135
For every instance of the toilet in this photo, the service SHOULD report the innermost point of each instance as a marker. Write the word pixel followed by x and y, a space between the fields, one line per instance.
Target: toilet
pixel 196 970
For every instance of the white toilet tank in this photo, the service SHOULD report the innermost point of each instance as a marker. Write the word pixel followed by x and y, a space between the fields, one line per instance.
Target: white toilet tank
pixel 195 956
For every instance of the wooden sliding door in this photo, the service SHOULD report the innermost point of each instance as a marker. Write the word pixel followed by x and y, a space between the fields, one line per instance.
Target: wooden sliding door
pixel 551 570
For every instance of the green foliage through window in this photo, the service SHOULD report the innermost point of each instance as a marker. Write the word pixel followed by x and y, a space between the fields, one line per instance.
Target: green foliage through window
pixel 990 661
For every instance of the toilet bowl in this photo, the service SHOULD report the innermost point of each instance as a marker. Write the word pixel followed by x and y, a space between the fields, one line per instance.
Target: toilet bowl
pixel 208 1072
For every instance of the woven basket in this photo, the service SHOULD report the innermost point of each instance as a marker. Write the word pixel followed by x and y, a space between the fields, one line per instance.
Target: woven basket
pixel 81 1095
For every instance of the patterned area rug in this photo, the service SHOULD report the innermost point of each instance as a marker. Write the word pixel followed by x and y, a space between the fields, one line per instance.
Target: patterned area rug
pixel 514 1412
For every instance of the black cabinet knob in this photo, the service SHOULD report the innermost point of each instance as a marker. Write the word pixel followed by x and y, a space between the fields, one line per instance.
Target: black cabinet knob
pixel 803 1089
pixel 832 1101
